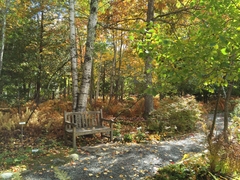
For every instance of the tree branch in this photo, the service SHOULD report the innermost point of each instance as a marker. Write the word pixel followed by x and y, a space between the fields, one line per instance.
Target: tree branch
pixel 186 9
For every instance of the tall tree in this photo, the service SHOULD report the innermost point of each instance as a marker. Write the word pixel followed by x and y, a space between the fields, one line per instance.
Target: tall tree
pixel 148 105
pixel 4 11
pixel 73 54
pixel 88 58
pixel 40 57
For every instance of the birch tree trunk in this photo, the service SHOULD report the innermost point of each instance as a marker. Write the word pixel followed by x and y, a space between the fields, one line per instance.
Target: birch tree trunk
pixel 73 53
pixel 113 72
pixel 88 58
pixel 98 78
pixel 3 34
pixel 118 70
pixel 148 105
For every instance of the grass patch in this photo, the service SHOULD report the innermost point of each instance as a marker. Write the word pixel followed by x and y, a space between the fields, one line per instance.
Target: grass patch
pixel 16 157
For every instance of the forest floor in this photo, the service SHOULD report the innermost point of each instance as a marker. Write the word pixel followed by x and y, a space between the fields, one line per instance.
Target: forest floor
pixel 126 161
pixel 42 154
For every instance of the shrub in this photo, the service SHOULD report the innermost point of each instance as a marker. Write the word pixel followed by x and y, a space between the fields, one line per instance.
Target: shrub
pixel 128 138
pixel 235 126
pixel 236 110
pixel 140 135
pixel 173 172
pixel 175 114
pixel 117 130
pixel 224 158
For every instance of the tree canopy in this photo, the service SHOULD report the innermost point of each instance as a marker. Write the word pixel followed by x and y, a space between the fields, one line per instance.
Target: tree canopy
pixel 193 45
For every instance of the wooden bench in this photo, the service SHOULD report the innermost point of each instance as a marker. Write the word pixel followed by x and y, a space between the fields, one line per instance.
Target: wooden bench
pixel 84 123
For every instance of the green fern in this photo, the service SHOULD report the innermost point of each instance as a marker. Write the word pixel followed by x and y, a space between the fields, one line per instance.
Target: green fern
pixel 61 175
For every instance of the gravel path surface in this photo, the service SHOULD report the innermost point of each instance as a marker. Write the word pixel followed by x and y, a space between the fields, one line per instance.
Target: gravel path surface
pixel 127 161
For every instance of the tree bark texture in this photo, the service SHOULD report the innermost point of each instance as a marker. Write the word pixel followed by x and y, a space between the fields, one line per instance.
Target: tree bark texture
pixel 226 111
pixel 3 34
pixel 113 72
pixel 148 105
pixel 73 53
pixel 39 74
pixel 88 58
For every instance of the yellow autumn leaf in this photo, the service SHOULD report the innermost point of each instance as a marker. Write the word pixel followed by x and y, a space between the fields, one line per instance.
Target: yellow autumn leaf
pixel 185 156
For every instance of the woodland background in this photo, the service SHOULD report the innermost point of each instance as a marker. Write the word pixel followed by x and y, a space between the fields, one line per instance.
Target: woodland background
pixel 144 55
pixel 186 47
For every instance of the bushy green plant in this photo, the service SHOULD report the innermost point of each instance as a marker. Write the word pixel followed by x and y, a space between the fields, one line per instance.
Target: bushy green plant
pixel 173 172
pixel 236 110
pixel 117 130
pixel 17 176
pixel 235 125
pixel 140 135
pixel 175 114
pixel 224 158
pixel 235 129
pixel 193 168
pixel 128 138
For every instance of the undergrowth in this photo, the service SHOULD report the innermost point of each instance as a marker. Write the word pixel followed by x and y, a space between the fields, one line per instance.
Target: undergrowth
pixel 176 114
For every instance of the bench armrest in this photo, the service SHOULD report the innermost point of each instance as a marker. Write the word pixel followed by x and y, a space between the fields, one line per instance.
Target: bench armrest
pixel 108 120
pixel 70 123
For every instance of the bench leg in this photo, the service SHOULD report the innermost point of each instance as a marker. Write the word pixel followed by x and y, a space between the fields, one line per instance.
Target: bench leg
pixel 65 137
pixel 111 136
pixel 111 132
pixel 74 138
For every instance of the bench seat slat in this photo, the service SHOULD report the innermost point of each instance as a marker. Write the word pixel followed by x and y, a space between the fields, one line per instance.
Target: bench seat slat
pixel 85 131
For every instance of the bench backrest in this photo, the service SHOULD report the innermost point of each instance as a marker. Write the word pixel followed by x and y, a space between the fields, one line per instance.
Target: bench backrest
pixel 87 119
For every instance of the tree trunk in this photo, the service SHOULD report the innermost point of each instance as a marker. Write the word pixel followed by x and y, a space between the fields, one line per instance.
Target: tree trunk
pixel 73 53
pixel 214 117
pixel 148 105
pixel 226 113
pixel 39 75
pixel 103 80
pixel 3 34
pixel 92 87
pixel 118 70
pixel 88 58
pixel 113 73
pixel 99 70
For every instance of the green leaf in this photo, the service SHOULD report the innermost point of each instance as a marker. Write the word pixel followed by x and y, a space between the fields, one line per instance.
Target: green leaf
pixel 212 44
pixel 223 51
pixel 223 39
pixel 131 37
pixel 166 41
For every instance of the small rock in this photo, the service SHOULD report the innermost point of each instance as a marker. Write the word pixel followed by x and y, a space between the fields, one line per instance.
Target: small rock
pixel 7 175
pixel 118 139
pixel 58 161
pixel 74 157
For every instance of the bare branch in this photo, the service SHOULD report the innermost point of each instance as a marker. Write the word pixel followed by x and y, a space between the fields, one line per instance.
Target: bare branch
pixel 186 9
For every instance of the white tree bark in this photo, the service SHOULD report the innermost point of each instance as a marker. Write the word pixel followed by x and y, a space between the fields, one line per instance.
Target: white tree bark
pixel 3 34
pixel 88 58
pixel 73 53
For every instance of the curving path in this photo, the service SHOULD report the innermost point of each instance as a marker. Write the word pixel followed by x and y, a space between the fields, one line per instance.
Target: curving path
pixel 127 161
